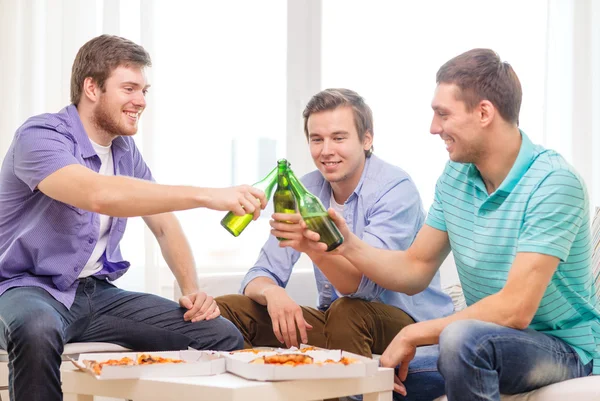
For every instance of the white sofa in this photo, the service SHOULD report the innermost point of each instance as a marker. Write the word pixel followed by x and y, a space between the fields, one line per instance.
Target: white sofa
pixel 302 289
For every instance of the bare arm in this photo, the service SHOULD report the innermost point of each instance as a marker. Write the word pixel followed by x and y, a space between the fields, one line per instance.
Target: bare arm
pixel 286 314
pixel 175 249
pixel 342 275
pixel 120 196
pixel 514 306
pixel 409 271
pixel 340 272
pixel 256 288
pixel 178 255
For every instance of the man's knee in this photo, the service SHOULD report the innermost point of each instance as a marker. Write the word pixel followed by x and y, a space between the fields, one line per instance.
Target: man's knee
pixel 217 334
pixel 42 332
pixel 344 312
pixel 460 341
pixel 231 338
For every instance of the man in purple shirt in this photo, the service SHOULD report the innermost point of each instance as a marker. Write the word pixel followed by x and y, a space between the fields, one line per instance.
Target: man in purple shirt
pixel 68 184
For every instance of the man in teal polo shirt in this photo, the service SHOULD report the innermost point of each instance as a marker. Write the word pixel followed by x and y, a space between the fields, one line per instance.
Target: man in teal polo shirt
pixel 516 217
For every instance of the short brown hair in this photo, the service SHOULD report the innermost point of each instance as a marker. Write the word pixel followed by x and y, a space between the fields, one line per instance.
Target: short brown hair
pixel 100 56
pixel 480 74
pixel 330 99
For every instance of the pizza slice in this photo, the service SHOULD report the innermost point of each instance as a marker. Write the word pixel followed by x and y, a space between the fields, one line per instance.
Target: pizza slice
pixel 147 359
pixel 284 359
pixel 96 366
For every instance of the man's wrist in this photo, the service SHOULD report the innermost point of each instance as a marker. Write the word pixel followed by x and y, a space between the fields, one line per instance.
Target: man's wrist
pixel 350 247
pixel 316 257
pixel 189 290
pixel 265 292
pixel 409 336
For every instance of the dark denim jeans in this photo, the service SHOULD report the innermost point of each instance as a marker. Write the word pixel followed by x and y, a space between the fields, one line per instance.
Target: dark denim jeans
pixel 34 328
pixel 478 361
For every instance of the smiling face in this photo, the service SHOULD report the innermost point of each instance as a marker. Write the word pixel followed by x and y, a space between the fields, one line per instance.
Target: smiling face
pixel 458 127
pixel 335 146
pixel 119 107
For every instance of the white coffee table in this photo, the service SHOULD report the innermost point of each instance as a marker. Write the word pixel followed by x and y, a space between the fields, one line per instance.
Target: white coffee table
pixel 226 387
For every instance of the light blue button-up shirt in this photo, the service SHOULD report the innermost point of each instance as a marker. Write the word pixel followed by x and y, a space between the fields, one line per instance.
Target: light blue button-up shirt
pixel 385 210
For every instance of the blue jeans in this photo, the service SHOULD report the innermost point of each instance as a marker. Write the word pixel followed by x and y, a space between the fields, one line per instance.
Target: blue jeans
pixel 477 361
pixel 34 328
pixel 481 360
pixel 424 382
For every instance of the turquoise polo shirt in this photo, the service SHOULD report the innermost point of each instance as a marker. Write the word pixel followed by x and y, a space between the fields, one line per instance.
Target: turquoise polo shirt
pixel 542 207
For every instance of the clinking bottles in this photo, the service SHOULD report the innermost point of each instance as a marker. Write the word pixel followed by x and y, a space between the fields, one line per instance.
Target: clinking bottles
pixel 236 224
pixel 283 198
pixel 314 214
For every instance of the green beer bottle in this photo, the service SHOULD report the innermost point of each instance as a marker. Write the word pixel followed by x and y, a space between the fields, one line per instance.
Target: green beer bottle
pixel 314 214
pixel 236 224
pixel 283 198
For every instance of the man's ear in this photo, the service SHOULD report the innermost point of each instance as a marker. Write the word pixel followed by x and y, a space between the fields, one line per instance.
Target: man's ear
pixel 91 90
pixel 487 113
pixel 367 140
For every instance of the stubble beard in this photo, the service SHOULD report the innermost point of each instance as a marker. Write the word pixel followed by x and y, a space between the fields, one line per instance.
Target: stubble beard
pixel 103 121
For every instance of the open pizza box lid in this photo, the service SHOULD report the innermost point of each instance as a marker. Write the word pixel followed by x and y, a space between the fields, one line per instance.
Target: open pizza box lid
pixel 197 363
pixel 239 363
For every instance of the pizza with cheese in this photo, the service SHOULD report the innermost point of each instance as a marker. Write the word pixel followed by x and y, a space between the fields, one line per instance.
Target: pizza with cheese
pixel 142 359
pixel 297 360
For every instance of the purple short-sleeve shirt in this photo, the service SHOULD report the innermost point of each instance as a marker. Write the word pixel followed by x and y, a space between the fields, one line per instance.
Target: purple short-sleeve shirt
pixel 43 242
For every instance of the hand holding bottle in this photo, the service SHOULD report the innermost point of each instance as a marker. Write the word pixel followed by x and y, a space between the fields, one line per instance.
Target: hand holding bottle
pixel 314 239
pixel 236 223
pixel 240 200
pixel 314 214
pixel 291 227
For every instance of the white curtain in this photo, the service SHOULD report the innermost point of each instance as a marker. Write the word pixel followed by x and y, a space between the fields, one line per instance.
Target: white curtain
pixel 250 81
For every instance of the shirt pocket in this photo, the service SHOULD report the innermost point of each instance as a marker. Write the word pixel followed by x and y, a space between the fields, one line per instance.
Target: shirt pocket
pixel 65 218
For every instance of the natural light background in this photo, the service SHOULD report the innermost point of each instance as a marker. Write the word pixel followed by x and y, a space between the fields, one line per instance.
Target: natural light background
pixel 231 78
pixel 390 52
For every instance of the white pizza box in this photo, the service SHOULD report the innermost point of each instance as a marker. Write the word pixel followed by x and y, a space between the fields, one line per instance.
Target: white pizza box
pixel 239 364
pixel 197 363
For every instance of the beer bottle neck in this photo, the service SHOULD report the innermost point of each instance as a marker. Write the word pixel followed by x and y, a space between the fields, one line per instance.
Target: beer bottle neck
pixel 297 187
pixel 267 182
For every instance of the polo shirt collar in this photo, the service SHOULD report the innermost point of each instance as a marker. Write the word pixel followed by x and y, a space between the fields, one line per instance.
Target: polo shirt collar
pixel 521 165
pixel 523 161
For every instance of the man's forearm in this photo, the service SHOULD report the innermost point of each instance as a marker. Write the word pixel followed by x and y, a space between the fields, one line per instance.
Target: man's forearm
pixel 340 272
pixel 493 309
pixel 178 254
pixel 256 289
pixel 392 270
pixel 121 196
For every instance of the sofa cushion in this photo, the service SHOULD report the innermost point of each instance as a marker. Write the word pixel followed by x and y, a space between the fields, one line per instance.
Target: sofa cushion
pixel 582 389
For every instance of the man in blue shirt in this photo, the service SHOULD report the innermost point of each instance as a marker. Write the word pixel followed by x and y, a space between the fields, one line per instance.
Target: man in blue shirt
pixel 381 205
pixel 68 184
pixel 516 217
